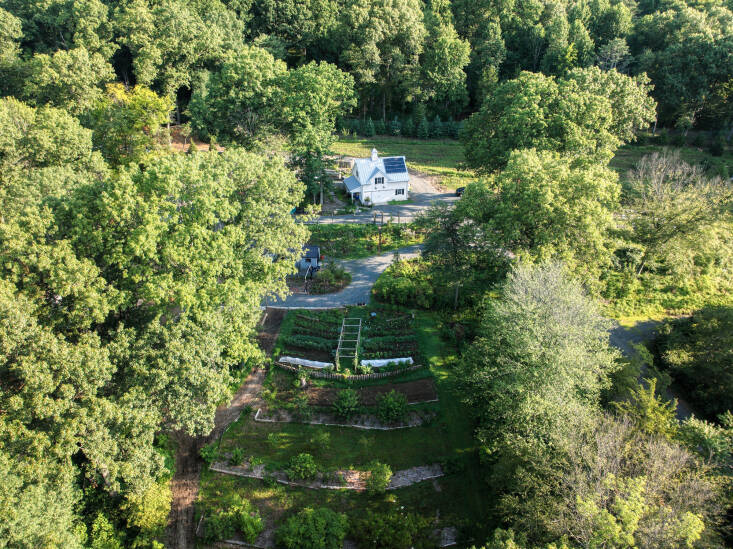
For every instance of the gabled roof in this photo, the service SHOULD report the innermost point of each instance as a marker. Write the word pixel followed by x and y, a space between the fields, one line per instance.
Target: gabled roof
pixel 312 252
pixel 352 184
pixel 368 168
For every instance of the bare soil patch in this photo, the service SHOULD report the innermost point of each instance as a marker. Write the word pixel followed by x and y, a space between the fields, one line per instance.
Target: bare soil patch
pixel 421 390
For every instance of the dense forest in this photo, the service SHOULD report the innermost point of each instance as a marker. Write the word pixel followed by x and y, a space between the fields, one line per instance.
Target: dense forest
pixel 131 276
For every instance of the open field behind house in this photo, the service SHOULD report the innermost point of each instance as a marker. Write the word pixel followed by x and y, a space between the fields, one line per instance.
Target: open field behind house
pixel 436 157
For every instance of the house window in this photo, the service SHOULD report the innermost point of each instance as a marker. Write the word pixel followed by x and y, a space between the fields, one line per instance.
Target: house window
pixel 379 180
pixel 399 191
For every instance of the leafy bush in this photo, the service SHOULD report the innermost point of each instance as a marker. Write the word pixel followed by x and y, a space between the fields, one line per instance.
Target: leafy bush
pixel 321 441
pixel 236 514
pixel 302 467
pixel 408 127
pixel 380 128
pixel 379 476
pixel 237 456
pixel 396 530
pixel 346 403
pixel 698 353
pixel 405 283
pixel 392 407
pixel 330 279
pixel 209 453
pixel 313 529
pixel 302 409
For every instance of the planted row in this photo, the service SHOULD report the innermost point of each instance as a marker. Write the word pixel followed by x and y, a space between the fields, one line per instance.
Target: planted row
pixel 308 342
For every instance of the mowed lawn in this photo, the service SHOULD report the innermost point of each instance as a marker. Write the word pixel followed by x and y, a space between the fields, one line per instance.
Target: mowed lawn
pixel 441 157
pixel 461 498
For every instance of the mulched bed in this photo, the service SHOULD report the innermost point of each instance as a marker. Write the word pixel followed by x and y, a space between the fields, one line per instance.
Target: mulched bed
pixel 310 354
pixel 421 390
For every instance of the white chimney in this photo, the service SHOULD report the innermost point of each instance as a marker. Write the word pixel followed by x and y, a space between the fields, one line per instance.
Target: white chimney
pixel 374 155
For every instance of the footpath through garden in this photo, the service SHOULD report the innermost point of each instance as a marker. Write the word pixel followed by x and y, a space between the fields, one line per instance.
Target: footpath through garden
pixel 185 482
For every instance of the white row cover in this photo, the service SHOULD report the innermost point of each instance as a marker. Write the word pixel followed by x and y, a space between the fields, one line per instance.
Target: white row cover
pixel 304 362
pixel 382 362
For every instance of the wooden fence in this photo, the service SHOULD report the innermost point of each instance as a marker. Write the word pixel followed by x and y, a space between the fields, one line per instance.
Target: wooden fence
pixel 341 377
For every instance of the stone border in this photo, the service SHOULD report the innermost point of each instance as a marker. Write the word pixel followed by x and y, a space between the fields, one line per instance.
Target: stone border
pixel 360 377
pixel 352 425
pixel 400 479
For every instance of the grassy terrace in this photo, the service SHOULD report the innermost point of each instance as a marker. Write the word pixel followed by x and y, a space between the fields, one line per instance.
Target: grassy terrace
pixel 448 440
pixel 441 157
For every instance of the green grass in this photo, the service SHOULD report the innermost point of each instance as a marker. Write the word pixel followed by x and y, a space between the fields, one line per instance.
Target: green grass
pixel 441 157
pixel 355 241
pixel 628 156
pixel 462 499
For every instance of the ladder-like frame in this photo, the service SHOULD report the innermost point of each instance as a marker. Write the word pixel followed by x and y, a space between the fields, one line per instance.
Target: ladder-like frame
pixel 349 339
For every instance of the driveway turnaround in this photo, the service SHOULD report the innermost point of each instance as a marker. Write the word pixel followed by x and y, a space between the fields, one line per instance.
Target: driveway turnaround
pixel 364 273
pixel 422 195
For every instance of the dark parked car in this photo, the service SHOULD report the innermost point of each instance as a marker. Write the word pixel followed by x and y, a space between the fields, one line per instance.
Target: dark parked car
pixel 459 191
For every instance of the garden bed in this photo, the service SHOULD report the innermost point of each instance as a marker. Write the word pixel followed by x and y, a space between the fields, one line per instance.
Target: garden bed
pixel 421 390
pixel 360 421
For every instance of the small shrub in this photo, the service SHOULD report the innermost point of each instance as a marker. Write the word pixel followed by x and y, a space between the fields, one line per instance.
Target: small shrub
pixel 302 409
pixel 408 127
pixel 423 128
pixel 379 476
pixel 395 127
pixel 209 453
pixel 237 456
pixel 235 515
pixel 321 441
pixel 313 529
pixel 380 128
pixel 369 130
pixel 397 530
pixel 302 467
pixel 437 128
pixel 392 407
pixel 346 404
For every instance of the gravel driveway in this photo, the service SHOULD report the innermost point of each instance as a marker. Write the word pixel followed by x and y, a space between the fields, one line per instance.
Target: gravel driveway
pixel 422 195
pixel 364 273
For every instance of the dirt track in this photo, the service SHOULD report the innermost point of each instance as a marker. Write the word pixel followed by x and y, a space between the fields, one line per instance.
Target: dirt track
pixel 185 483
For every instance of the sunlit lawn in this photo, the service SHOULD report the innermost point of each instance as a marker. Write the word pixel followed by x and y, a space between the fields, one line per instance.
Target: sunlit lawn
pixel 441 157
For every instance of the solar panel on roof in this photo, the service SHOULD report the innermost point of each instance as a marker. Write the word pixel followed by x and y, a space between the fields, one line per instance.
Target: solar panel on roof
pixel 394 165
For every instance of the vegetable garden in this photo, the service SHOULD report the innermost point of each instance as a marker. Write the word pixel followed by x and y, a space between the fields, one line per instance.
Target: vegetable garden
pixel 298 464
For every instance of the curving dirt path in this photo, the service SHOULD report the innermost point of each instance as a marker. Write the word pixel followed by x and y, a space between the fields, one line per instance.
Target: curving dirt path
pixel 185 483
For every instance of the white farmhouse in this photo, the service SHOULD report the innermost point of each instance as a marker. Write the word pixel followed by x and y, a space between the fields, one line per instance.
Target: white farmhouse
pixel 378 180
